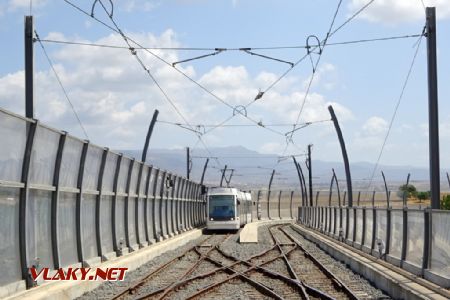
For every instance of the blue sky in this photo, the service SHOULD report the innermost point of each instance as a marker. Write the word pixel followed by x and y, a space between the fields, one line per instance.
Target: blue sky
pixel 115 98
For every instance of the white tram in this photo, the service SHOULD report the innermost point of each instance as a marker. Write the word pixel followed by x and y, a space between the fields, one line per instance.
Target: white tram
pixel 228 208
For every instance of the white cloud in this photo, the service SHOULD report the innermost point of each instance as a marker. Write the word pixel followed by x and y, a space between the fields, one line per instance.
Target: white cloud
pixel 375 126
pixel 139 5
pixel 115 98
pixel 399 11
pixel 21 4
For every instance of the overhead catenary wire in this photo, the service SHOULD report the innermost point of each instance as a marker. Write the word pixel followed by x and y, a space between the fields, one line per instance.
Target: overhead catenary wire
pixel 240 125
pixel 133 49
pixel 350 42
pixel 61 85
pixel 321 46
pixel 166 96
pixel 397 105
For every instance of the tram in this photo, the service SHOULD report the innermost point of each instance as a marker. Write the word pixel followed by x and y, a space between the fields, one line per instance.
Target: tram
pixel 228 208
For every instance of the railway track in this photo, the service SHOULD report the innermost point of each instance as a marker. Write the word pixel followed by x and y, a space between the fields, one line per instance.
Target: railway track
pixel 284 270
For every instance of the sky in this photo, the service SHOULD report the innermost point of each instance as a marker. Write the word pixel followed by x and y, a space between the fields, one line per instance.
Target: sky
pixel 114 94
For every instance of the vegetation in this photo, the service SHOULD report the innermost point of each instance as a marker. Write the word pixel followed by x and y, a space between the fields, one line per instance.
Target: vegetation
pixel 410 190
pixel 445 203
pixel 423 196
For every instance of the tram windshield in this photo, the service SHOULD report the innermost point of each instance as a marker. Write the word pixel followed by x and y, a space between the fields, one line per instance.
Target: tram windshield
pixel 221 207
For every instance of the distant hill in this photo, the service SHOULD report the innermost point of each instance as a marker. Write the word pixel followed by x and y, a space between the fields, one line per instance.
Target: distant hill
pixel 253 169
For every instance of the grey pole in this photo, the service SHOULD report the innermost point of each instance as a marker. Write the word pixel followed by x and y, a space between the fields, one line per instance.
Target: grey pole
pixel 229 178
pixel 359 197
pixel 300 179
pixel 405 192
pixel 331 190
pixel 433 114
pixel 204 171
pixel 29 67
pixel 344 155
pixel 386 189
pixel 223 175
pixel 305 191
pixel 268 194
pixel 188 162
pixel 149 135
pixel 310 176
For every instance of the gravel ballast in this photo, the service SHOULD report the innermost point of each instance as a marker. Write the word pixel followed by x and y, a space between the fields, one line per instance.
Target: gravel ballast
pixel 234 288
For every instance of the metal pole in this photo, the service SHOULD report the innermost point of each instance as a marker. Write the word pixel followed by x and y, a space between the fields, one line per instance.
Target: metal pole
pixel 23 202
pixel 344 155
pixel 229 178
pixel 433 114
pixel 337 187
pixel 310 176
pixel 204 171
pixel 387 191
pixel 359 197
pixel 305 191
pixel 268 194
pixel 331 190
pixel 406 190
pixel 29 67
pixel 297 166
pixel 223 175
pixel 149 135
pixel 188 162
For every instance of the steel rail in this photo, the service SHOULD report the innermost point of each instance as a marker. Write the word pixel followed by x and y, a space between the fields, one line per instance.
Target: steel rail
pixel 260 287
pixel 131 289
pixel 200 276
pixel 323 268
pixel 191 269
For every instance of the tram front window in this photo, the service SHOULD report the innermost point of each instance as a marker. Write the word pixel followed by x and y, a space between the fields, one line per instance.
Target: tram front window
pixel 221 207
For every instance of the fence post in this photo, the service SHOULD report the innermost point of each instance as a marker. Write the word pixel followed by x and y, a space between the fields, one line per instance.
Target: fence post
pixel 427 239
pixel 114 204
pixel 181 205
pixel 279 205
pixel 154 213
pixel 374 229
pixel 405 234
pixel 136 205
pixel 98 204
pixel 24 196
pixel 55 201
pixel 388 231
pixel 363 236
pixel 168 204
pixel 177 205
pixel 127 201
pixel 147 190
pixel 173 206
pixel 292 196
pixel 161 201
pixel 79 216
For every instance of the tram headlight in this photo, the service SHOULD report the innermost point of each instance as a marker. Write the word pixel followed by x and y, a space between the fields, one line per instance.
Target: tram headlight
pixel 211 219
pixel 232 219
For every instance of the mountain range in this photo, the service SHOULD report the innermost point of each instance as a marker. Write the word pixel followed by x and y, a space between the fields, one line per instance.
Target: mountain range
pixel 252 169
